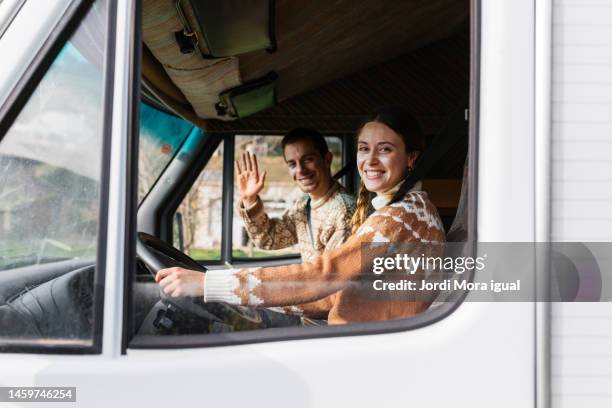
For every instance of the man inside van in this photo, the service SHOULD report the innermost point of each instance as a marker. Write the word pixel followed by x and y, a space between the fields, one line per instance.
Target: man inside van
pixel 319 221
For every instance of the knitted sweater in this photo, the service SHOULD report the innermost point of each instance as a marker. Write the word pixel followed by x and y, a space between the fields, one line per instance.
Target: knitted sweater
pixel 330 219
pixel 414 219
pixel 331 226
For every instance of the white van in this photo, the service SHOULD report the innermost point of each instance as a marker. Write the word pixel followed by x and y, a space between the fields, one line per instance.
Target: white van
pixel 120 117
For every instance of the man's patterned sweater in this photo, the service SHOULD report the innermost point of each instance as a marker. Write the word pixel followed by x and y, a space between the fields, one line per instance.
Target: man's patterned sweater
pixel 330 219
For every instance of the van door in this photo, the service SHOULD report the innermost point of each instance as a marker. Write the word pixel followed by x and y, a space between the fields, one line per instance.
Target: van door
pixel 65 116
pixel 480 354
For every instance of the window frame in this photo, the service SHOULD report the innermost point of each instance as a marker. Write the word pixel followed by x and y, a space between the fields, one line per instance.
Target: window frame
pixel 17 99
pixel 9 15
pixel 26 85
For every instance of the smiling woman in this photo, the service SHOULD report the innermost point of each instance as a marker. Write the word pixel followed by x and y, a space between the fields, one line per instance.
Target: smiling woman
pixel 377 146
pixel 388 145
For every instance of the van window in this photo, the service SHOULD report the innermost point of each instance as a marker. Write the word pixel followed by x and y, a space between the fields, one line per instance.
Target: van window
pixel 350 74
pixel 198 219
pixel 50 172
pixel 161 135
pixel 200 213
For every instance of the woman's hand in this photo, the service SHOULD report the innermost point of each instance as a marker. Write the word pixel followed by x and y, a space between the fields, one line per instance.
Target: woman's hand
pixel 179 282
pixel 248 179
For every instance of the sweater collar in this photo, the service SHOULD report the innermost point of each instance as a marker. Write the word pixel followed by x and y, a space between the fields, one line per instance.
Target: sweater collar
pixel 320 201
pixel 383 199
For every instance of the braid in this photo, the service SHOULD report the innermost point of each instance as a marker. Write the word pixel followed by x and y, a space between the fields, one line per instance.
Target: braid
pixel 362 209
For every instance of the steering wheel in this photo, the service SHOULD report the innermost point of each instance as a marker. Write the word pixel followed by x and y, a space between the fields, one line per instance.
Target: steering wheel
pixel 157 254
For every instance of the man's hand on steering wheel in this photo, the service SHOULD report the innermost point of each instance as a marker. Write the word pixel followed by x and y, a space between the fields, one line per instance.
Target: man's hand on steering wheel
pixel 181 282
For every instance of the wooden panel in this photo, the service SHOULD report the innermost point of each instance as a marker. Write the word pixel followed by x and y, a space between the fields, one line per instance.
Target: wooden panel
pixel 444 193
pixel 320 41
pixel 430 82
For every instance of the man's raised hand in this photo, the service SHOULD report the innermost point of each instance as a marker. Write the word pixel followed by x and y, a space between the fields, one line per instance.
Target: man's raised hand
pixel 248 179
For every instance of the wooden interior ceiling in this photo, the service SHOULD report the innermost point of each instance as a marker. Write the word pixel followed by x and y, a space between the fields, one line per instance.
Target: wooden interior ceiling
pixel 338 60
pixel 432 82
pixel 320 41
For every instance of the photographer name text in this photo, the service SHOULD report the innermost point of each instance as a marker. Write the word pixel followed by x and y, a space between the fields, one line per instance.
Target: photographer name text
pixel 446 285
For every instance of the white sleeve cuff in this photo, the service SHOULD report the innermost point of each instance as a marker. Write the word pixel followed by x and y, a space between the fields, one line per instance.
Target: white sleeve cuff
pixel 219 286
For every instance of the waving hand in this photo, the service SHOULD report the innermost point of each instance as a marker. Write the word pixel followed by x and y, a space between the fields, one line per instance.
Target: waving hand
pixel 248 179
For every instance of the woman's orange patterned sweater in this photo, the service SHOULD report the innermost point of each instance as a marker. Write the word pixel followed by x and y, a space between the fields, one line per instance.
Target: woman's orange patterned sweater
pixel 412 220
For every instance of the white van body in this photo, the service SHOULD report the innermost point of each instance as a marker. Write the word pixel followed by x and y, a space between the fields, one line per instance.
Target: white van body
pixel 543 83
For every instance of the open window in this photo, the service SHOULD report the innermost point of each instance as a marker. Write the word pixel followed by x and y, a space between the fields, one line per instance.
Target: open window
pixel 330 75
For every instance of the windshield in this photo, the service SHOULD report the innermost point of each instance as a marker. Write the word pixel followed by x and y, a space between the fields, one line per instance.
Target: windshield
pixel 161 136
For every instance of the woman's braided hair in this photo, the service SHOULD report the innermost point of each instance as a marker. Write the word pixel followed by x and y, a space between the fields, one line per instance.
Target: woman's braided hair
pixel 408 128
